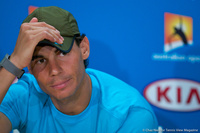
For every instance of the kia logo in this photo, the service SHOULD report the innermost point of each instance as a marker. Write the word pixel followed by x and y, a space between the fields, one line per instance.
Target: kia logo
pixel 174 94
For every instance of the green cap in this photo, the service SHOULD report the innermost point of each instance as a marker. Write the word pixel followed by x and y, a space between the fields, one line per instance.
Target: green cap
pixel 62 20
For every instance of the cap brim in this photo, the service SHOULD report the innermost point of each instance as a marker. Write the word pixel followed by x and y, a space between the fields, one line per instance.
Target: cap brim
pixel 65 47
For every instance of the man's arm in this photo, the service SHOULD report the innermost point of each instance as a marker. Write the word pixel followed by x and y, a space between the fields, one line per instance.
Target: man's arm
pixel 5 81
pixel 30 34
pixel 5 125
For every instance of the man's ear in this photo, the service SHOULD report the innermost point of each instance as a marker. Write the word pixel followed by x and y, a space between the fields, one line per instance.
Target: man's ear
pixel 85 48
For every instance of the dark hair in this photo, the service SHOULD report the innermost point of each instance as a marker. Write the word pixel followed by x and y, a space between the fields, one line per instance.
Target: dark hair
pixel 79 39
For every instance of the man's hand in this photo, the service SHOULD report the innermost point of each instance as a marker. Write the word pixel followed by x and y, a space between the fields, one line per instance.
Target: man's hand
pixel 29 36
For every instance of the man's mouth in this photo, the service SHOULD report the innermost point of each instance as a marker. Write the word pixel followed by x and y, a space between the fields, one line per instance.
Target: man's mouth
pixel 60 85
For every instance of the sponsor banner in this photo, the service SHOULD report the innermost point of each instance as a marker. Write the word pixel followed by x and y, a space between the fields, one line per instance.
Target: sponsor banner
pixel 174 94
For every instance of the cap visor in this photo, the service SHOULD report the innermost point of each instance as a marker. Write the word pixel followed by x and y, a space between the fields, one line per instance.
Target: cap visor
pixel 65 47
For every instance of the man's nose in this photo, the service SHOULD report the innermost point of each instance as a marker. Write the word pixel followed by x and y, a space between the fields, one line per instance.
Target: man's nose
pixel 54 67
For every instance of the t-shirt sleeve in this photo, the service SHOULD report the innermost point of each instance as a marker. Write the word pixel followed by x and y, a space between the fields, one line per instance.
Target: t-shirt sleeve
pixel 139 120
pixel 14 104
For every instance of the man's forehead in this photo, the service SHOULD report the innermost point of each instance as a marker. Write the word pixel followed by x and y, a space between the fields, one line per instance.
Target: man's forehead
pixel 43 49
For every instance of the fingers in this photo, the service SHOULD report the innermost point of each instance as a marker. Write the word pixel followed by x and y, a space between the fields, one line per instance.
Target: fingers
pixel 39 33
pixel 47 31
pixel 34 19
pixel 32 23
pixel 40 24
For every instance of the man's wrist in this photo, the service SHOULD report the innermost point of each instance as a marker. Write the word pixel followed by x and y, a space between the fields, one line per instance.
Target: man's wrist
pixel 15 61
pixel 9 66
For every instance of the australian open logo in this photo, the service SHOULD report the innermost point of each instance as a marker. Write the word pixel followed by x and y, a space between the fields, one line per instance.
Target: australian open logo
pixel 178 35
pixel 178 31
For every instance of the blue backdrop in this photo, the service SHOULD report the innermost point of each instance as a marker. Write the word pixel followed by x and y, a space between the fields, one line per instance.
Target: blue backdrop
pixel 128 40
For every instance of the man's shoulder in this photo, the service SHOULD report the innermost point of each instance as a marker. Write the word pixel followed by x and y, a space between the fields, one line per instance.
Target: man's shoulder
pixel 107 80
pixel 117 96
pixel 23 84
pixel 113 86
pixel 25 87
pixel 25 91
pixel 21 99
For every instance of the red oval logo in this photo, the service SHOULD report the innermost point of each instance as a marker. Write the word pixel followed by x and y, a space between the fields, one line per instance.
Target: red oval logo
pixel 174 94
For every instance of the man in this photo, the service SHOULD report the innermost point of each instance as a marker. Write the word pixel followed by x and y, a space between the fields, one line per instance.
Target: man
pixel 60 94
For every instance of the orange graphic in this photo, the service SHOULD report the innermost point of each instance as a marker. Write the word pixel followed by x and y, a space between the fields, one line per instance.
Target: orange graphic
pixel 31 9
pixel 178 31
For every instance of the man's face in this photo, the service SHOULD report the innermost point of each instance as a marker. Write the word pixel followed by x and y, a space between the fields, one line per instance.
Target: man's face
pixel 59 75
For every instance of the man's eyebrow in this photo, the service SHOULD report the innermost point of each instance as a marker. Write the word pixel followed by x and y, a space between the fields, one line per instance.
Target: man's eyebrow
pixel 37 56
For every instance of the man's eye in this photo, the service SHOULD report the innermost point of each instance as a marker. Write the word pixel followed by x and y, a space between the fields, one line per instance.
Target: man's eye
pixel 62 54
pixel 40 61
